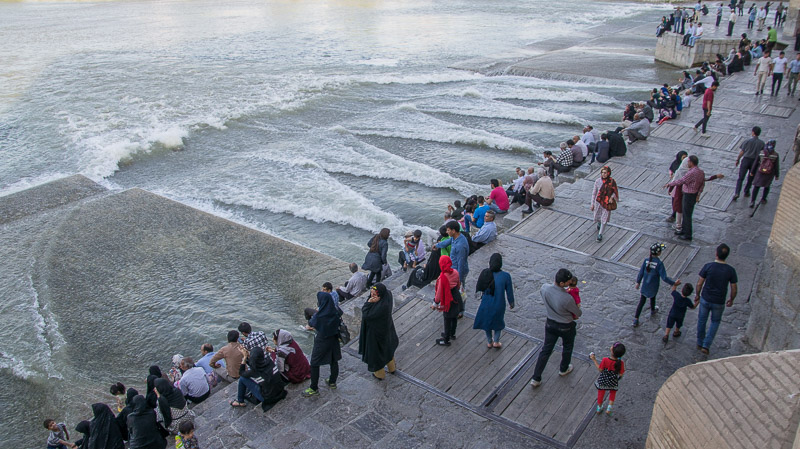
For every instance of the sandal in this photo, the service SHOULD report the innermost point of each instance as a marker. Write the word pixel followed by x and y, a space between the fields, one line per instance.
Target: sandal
pixel 677 333
pixel 237 404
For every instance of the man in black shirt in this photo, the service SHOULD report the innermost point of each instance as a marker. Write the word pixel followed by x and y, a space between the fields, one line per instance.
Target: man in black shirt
pixel 712 287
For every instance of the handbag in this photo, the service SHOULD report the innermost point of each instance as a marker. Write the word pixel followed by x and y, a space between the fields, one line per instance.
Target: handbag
pixel 386 272
pixel 612 205
pixel 344 334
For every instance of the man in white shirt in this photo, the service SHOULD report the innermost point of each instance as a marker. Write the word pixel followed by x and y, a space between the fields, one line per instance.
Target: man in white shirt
pixel 689 34
pixel 354 286
pixel 582 145
pixel 794 72
pixel 761 17
pixel 778 67
pixel 762 71
pixel 704 83
pixel 698 33
pixel 731 22
pixel 588 135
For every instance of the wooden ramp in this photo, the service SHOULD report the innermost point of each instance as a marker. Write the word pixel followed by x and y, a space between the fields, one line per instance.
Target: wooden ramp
pixel 716 195
pixel 752 105
pixel 620 245
pixel 494 383
pixel 686 134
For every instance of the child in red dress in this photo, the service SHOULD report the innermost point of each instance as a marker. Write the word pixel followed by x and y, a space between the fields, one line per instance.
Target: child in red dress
pixel 575 292
pixel 611 371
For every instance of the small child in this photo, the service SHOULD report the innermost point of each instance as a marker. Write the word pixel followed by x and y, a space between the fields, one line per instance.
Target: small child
pixel 611 371
pixel 575 292
pixel 680 302
pixel 59 436
pixel 186 440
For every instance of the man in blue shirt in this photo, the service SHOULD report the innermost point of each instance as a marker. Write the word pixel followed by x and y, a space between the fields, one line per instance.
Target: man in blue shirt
pixel 488 231
pixel 207 350
pixel 459 251
pixel 712 287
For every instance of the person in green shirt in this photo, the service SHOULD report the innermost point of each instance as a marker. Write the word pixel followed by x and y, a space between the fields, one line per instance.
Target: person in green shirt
pixel 772 37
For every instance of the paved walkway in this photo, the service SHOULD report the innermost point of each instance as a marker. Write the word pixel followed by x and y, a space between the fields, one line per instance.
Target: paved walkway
pixel 419 408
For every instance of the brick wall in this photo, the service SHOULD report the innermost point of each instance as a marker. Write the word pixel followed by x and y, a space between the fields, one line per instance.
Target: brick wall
pixel 774 321
pixel 745 402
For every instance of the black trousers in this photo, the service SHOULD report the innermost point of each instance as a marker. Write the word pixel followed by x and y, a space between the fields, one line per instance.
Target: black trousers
pixel 450 326
pixel 703 121
pixel 374 276
pixel 553 330
pixel 315 375
pixel 689 200
pixel 642 301
pixel 197 400
pixel 776 78
pixel 755 193
pixel 730 28
pixel 744 172
pixel 719 19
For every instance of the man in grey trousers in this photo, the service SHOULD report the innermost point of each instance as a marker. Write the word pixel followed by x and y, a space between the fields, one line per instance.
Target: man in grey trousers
pixel 561 314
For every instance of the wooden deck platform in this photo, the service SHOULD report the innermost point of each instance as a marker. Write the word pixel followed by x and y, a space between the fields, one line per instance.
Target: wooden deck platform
pixel 716 195
pixel 494 383
pixel 754 106
pixel 578 234
pixel 686 134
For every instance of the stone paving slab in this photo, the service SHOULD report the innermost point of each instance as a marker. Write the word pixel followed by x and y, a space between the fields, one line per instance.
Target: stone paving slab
pixel 47 196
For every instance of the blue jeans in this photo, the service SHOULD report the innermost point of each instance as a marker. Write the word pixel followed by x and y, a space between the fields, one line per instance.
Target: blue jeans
pixel 246 384
pixel 496 336
pixel 497 209
pixel 704 340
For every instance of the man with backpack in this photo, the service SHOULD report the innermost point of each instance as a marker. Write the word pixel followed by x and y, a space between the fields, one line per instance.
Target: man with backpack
pixel 767 168
pixel 748 153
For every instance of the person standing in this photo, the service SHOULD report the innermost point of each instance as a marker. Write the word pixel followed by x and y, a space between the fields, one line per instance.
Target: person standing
pixel 692 184
pixel 561 314
pixel 710 292
pixel 751 17
pixel 778 67
pixel 327 350
pixel 447 299
pixel 376 258
pixel 719 14
pixel 748 153
pixel 762 71
pixel 459 251
pixel 731 22
pixel 605 196
pixel 496 288
pixel 766 168
pixel 378 339
pixel 772 38
pixel 648 278
pixel 794 72
pixel 708 103
pixel 761 16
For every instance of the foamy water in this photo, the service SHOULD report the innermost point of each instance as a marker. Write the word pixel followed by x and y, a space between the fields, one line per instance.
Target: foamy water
pixel 284 117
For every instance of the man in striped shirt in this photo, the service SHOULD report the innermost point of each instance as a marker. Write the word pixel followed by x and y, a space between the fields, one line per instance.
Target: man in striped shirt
pixel 691 184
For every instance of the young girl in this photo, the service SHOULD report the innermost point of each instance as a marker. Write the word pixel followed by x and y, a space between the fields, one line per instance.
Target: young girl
pixel 611 371
pixel 575 292
pixel 652 269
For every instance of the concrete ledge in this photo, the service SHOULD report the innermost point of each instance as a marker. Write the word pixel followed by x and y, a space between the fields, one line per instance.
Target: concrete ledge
pixel 47 196
pixel 670 50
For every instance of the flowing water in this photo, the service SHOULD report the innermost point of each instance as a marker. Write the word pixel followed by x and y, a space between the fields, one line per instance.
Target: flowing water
pixel 319 122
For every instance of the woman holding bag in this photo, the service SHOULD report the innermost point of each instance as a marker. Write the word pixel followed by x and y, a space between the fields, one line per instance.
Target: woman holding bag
pixel 605 196
pixel 376 257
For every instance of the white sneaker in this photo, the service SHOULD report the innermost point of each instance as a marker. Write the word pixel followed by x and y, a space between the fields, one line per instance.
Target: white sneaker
pixel 569 370
pixel 705 135
pixel 535 383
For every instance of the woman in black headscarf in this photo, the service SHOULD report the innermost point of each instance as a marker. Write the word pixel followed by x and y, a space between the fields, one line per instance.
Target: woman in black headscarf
pixel 326 343
pixel 142 426
pixel 83 427
pixel 378 338
pixel 105 432
pixel 171 405
pixel 496 288
pixel 259 375
pixel 122 418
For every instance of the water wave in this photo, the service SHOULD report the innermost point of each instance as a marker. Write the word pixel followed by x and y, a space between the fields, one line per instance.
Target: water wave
pixel 407 123
pixel 499 91
pixel 478 107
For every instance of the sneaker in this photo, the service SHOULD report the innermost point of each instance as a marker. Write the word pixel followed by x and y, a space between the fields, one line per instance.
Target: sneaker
pixel 442 342
pixel 764 201
pixel 308 392
pixel 569 370
pixel 704 350
pixel 695 129
pixel 331 385
pixel 528 210
pixel 599 237
pixel 735 197
pixel 599 409
pixel 535 383
pixel 654 311
pixel 608 409
pixel 752 205
pixel 636 322
pixel 705 135
pixel 678 231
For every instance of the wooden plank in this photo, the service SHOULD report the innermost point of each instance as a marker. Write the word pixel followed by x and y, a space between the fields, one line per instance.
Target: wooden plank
pixel 510 364
pixel 529 399
pixel 438 368
pixel 555 229
pixel 464 367
pixel 493 364
pixel 576 389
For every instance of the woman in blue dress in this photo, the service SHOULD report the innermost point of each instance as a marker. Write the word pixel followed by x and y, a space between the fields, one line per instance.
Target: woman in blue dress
pixel 496 287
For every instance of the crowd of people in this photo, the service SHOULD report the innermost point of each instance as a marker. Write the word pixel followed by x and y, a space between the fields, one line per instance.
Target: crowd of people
pixel 262 367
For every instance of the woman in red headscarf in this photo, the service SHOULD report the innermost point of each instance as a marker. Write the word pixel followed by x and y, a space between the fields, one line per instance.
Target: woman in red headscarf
pixel 447 299
pixel 605 196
